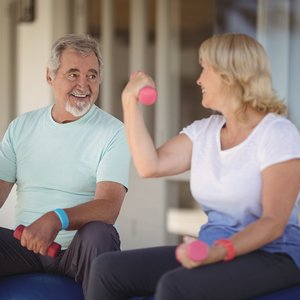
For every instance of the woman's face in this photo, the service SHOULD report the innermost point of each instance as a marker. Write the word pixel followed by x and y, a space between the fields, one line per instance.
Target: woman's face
pixel 212 86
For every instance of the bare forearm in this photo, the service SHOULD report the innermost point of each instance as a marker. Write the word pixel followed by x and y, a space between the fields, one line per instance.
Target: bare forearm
pixel 5 188
pixel 95 210
pixel 256 235
pixel 173 157
pixel 2 199
pixel 253 237
pixel 141 145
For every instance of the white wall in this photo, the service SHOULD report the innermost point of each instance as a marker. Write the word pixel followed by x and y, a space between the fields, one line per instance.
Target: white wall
pixel 7 94
pixel 33 40
pixel 278 31
pixel 294 64
pixel 6 75
pixel 34 43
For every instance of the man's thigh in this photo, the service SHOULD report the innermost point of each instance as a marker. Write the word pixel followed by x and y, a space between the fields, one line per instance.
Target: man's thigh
pixel 15 259
pixel 90 241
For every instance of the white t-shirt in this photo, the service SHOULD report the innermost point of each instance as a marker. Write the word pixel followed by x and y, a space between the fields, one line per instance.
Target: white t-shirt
pixel 58 165
pixel 228 183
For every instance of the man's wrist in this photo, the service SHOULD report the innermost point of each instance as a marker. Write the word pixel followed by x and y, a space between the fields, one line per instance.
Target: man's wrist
pixel 63 217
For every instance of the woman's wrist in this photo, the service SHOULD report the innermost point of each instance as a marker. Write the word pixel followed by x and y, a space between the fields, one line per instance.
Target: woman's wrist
pixel 228 248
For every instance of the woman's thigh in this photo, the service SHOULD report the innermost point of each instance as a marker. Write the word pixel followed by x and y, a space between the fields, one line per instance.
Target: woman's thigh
pixel 245 277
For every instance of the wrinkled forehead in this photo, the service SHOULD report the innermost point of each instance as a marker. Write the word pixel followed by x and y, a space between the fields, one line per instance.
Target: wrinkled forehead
pixel 73 59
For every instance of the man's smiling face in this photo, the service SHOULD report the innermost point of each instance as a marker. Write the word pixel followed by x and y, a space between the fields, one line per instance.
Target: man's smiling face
pixel 76 83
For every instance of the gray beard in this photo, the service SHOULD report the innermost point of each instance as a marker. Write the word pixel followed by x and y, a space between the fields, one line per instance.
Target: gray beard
pixel 79 110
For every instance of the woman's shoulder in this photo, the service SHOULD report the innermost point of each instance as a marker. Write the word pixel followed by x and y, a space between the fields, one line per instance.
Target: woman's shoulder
pixel 204 126
pixel 278 124
pixel 279 140
pixel 213 120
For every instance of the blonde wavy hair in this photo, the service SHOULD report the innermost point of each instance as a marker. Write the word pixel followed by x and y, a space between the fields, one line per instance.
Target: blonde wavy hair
pixel 244 67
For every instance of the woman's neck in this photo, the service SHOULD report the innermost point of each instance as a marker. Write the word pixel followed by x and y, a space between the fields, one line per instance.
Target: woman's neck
pixel 237 128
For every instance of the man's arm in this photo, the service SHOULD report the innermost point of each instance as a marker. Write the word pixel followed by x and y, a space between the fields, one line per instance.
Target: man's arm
pixel 5 188
pixel 105 207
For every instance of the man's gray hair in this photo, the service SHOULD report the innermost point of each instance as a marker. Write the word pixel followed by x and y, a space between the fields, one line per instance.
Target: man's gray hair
pixel 80 43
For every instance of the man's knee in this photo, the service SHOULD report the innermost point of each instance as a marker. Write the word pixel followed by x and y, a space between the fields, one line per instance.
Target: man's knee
pixel 100 235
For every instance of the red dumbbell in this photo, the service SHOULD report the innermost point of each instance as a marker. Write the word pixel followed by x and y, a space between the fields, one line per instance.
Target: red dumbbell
pixel 52 251
pixel 196 250
pixel 147 95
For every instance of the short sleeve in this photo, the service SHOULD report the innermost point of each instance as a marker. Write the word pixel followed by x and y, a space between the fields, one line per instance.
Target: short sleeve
pixel 114 165
pixel 8 157
pixel 190 130
pixel 203 127
pixel 281 142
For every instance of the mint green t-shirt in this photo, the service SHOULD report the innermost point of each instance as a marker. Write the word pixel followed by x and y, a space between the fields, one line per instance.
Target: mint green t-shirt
pixel 58 165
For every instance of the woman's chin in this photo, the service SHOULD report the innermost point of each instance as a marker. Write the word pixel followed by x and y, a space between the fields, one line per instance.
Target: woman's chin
pixel 206 105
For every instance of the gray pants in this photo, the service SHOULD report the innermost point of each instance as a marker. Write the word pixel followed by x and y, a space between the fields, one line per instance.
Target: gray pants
pixel 91 240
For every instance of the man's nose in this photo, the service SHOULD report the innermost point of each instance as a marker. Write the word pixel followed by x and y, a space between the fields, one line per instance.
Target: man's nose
pixel 82 82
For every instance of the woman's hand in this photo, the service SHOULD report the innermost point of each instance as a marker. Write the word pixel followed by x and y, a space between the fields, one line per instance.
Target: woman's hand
pixel 193 253
pixel 183 258
pixel 136 82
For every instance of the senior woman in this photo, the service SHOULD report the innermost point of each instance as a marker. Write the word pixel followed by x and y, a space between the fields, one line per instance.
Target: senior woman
pixel 245 172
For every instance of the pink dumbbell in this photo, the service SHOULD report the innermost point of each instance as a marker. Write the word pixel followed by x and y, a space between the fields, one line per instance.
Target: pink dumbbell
pixel 52 251
pixel 196 250
pixel 147 95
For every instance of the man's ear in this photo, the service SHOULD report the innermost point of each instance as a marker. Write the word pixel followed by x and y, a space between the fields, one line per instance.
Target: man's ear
pixel 48 77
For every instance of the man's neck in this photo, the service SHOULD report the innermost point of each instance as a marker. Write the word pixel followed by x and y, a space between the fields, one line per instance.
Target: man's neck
pixel 62 117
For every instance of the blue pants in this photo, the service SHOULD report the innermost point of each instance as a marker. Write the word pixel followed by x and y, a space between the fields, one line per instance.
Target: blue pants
pixel 90 241
pixel 155 271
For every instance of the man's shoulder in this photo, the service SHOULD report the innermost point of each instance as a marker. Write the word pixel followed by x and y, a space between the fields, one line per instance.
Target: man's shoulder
pixel 36 113
pixel 105 118
pixel 29 118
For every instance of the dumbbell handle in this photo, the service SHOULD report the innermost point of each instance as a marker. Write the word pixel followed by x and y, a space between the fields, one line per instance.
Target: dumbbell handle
pixel 52 251
pixel 147 95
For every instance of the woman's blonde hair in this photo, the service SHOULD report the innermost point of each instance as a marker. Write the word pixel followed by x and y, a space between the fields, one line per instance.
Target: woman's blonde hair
pixel 243 64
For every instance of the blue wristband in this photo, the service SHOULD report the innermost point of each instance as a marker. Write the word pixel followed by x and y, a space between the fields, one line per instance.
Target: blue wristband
pixel 63 217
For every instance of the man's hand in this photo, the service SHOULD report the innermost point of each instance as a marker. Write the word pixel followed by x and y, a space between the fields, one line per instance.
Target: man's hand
pixel 39 235
pixel 52 251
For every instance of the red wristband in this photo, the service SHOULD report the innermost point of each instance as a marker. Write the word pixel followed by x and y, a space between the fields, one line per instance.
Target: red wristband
pixel 227 244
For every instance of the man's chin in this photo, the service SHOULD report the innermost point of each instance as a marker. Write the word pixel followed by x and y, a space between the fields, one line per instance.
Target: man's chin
pixel 78 111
